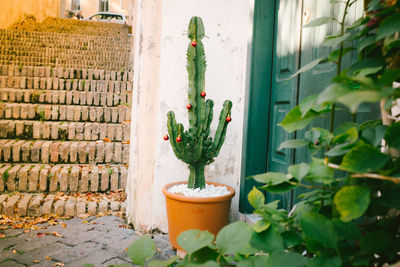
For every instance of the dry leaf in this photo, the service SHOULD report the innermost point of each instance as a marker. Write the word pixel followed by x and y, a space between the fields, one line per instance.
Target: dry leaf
pixel 85 222
pixel 36 261
pixel 2 235
pixel 14 251
pixel 63 225
pixel 48 258
pixel 56 234
pixel 40 234
pixel 18 226
pixel 107 140
pixel 58 264
pixel 27 231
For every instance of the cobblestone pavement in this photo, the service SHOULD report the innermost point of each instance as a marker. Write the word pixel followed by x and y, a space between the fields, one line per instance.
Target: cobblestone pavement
pixel 101 241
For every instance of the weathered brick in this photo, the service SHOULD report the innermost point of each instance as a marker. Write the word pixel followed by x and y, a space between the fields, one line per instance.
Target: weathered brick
pixel 26 151
pixel 47 205
pixel 109 151
pixel 94 179
pixel 23 205
pixel 3 199
pixel 92 208
pixel 35 151
pixel 80 207
pixel 84 180
pixel 64 179
pixel 64 151
pixel 12 176
pixel 16 150
pixel 59 207
pixel 33 178
pixel 54 177
pixel 54 151
pixel 9 207
pixel 74 179
pixel 123 177
pixel 105 180
pixel 114 179
pixel 22 178
pixel 73 152
pixel 45 151
pixel 43 178
pixel 70 210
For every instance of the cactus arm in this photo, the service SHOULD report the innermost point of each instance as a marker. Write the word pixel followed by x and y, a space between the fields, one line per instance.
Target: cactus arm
pixel 219 137
pixel 196 176
pixel 174 130
pixel 196 66
pixel 208 117
pixel 196 29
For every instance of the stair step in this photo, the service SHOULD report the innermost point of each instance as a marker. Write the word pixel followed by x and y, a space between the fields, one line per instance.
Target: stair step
pixel 65 97
pixel 34 205
pixel 63 131
pixel 61 177
pixel 15 151
pixel 65 73
pixel 76 113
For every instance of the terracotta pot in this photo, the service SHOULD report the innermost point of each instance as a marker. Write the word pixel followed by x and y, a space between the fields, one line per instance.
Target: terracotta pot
pixel 203 213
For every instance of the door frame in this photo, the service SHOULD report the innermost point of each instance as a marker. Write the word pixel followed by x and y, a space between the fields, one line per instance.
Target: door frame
pixel 255 145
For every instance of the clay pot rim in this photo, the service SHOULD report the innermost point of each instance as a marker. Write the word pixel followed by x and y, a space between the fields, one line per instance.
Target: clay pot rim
pixel 198 199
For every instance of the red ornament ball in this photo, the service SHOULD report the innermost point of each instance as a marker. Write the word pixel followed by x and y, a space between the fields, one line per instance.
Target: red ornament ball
pixel 194 43
pixel 203 94
pixel 188 106
pixel 166 137
pixel 228 118
pixel 178 139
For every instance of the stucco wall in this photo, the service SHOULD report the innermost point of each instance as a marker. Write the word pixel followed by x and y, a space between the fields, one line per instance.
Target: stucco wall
pixel 14 10
pixel 228 26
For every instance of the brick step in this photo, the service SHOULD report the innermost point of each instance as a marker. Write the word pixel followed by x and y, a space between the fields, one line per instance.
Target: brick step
pixel 75 113
pixel 62 178
pixel 34 205
pixel 23 151
pixel 57 49
pixel 63 131
pixel 56 84
pixel 65 97
pixel 66 73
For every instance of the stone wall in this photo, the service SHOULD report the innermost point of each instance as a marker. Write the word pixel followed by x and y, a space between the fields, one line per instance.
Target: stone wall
pixel 13 11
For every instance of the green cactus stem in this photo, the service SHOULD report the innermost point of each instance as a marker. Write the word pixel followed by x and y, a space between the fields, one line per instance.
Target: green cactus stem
pixel 196 147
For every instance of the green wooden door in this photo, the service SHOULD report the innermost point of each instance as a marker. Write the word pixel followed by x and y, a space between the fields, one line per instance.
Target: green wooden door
pixel 280 47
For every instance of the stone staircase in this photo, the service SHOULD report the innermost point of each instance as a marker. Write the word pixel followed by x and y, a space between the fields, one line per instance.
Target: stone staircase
pixel 64 117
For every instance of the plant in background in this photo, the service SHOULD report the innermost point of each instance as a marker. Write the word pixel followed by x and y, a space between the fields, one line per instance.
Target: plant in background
pixel 195 146
pixel 350 215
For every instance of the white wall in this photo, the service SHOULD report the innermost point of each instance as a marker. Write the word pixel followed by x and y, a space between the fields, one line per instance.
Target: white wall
pixel 228 25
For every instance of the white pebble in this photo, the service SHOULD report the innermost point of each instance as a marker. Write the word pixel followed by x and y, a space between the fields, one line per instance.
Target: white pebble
pixel 210 191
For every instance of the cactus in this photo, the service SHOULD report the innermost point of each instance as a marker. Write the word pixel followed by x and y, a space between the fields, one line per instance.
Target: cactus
pixel 195 146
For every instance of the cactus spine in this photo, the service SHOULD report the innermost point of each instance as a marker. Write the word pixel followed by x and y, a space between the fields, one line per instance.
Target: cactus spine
pixel 195 146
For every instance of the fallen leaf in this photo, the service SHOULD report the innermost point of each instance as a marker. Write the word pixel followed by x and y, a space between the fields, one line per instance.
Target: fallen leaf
pixel 48 258
pixel 85 222
pixel 27 231
pixel 56 234
pixel 63 225
pixel 58 264
pixel 2 235
pixel 18 226
pixel 40 234
pixel 107 140
pixel 14 251
pixel 36 261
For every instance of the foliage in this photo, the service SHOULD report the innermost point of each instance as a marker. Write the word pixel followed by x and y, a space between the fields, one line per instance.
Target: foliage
pixel 350 214
pixel 195 146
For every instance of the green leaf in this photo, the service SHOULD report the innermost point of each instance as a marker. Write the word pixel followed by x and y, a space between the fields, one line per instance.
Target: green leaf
pixel 279 188
pixel 256 198
pixel 267 241
pixel 193 240
pixel 366 42
pixel 319 172
pixel 363 158
pixel 298 171
pixel 88 265
pixel 307 67
pixel 325 262
pixel 334 56
pixel 318 22
pixel 352 202
pixel 293 143
pixel 272 178
pixel 389 26
pixel 374 135
pixel 294 120
pixel 254 261
pixel 206 264
pixel 292 239
pixel 307 104
pixel 261 225
pixel 321 135
pixel 233 238
pixel 141 250
pixel 355 98
pixel 347 230
pixel 202 255
pixel 392 135
pixel 282 258
pixel 333 41
pixel 164 263
pixel 317 228
pixel 349 136
pixel 339 150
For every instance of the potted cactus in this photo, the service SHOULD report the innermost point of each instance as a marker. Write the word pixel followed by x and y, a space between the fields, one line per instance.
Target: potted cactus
pixel 197 148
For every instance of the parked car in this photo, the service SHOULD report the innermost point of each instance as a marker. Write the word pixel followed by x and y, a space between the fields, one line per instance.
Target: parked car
pixel 109 17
